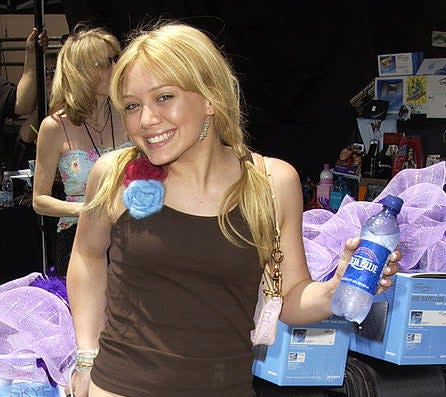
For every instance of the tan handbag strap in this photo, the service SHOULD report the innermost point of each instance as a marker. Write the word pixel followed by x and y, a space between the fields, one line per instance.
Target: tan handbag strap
pixel 273 193
pixel 275 289
pixel 262 163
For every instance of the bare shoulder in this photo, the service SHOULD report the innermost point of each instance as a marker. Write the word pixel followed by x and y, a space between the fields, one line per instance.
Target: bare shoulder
pixel 288 188
pixel 283 172
pixel 51 124
pixel 51 134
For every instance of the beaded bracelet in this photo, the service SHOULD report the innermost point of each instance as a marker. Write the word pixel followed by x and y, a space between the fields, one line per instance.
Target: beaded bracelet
pixel 84 359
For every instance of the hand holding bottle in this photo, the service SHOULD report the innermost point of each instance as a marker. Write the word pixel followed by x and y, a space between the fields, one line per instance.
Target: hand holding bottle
pixel 380 235
pixel 388 272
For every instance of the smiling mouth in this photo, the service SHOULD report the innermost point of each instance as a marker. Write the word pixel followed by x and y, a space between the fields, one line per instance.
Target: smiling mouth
pixel 160 138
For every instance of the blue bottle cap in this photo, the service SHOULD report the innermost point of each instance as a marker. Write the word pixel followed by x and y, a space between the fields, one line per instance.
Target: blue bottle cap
pixel 392 202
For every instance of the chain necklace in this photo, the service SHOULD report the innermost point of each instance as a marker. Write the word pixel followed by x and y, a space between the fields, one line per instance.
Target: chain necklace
pixel 112 132
pixel 101 130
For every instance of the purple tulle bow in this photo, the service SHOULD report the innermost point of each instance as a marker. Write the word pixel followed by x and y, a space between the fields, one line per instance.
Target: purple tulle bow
pixel 37 341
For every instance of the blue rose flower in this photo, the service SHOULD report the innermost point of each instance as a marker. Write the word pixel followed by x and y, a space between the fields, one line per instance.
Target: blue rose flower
pixel 144 197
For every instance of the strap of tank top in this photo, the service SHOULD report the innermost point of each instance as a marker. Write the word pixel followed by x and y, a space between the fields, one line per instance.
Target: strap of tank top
pixel 65 130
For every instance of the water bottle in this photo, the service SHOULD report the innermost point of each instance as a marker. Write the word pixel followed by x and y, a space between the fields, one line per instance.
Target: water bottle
pixel 380 236
pixel 7 190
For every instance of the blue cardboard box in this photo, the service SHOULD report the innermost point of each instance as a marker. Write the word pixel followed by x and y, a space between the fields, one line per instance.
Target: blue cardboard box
pixel 413 322
pixel 29 389
pixel 299 355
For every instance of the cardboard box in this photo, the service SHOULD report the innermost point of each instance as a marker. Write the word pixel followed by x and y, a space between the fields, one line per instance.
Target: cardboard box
pixel 299 355
pixel 412 318
pixel 402 64
pixel 433 66
pixel 29 389
pixel 424 94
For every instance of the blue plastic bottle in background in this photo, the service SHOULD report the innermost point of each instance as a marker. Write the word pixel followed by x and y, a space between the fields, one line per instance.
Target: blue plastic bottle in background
pixel 380 236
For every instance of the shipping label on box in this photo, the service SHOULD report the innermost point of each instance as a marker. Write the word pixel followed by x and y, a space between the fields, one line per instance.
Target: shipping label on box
pixel 299 355
pixel 415 323
pixel 403 64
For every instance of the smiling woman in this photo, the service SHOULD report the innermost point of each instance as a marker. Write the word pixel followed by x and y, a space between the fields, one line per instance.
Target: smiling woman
pixel 174 230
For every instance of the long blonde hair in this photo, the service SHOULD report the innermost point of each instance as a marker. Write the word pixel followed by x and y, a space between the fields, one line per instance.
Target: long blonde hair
pixel 82 55
pixel 186 57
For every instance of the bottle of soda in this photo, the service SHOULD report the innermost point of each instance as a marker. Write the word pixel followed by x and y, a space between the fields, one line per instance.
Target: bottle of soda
pixel 380 235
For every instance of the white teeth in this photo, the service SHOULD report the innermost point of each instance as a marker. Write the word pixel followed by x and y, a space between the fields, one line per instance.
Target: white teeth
pixel 160 138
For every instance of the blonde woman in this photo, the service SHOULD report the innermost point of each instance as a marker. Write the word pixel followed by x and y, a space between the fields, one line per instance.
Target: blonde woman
pixel 81 126
pixel 185 219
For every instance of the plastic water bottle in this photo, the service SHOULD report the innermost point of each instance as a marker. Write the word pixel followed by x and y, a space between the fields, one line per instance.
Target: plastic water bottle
pixel 7 190
pixel 380 236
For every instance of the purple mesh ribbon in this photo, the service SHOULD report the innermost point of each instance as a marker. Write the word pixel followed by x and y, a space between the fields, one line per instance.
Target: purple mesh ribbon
pixel 422 223
pixel 37 341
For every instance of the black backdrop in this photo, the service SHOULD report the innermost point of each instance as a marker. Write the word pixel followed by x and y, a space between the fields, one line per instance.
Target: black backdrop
pixel 299 62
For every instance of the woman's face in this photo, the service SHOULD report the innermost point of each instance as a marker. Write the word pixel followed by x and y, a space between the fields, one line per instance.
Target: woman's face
pixel 105 69
pixel 163 120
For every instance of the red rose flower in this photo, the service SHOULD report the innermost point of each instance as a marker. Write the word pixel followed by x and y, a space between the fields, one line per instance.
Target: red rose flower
pixel 142 168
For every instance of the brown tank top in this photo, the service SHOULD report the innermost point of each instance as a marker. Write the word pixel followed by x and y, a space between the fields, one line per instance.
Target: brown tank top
pixel 180 303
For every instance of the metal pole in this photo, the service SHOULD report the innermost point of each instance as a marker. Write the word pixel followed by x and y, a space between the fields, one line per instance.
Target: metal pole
pixel 41 107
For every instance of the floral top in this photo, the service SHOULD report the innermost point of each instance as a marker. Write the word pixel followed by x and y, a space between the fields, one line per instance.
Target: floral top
pixel 74 167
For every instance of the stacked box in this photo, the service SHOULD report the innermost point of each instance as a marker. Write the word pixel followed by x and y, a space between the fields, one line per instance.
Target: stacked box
pixel 413 322
pixel 299 355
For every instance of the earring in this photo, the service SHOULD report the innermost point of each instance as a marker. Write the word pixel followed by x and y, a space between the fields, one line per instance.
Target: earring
pixel 204 131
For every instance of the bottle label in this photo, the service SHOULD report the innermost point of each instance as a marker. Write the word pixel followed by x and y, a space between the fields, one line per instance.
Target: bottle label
pixel 365 267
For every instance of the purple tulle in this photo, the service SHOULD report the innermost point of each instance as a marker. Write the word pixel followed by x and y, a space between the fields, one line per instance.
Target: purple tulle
pixel 37 341
pixel 422 223
pixel 52 283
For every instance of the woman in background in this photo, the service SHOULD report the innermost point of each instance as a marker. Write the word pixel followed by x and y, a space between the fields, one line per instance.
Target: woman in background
pixel 82 125
pixel 21 99
pixel 26 141
pixel 30 128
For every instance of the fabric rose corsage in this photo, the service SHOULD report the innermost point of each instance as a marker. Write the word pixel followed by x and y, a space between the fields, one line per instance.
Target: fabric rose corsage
pixel 144 193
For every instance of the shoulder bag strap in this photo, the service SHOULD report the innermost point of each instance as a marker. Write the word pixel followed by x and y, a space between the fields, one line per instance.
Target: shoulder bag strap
pixel 275 287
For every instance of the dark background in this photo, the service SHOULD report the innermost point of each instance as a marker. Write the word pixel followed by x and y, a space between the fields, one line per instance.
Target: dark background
pixel 299 62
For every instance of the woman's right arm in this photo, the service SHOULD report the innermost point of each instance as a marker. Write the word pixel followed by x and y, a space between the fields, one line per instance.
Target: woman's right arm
pixel 87 278
pixel 26 98
pixel 50 142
